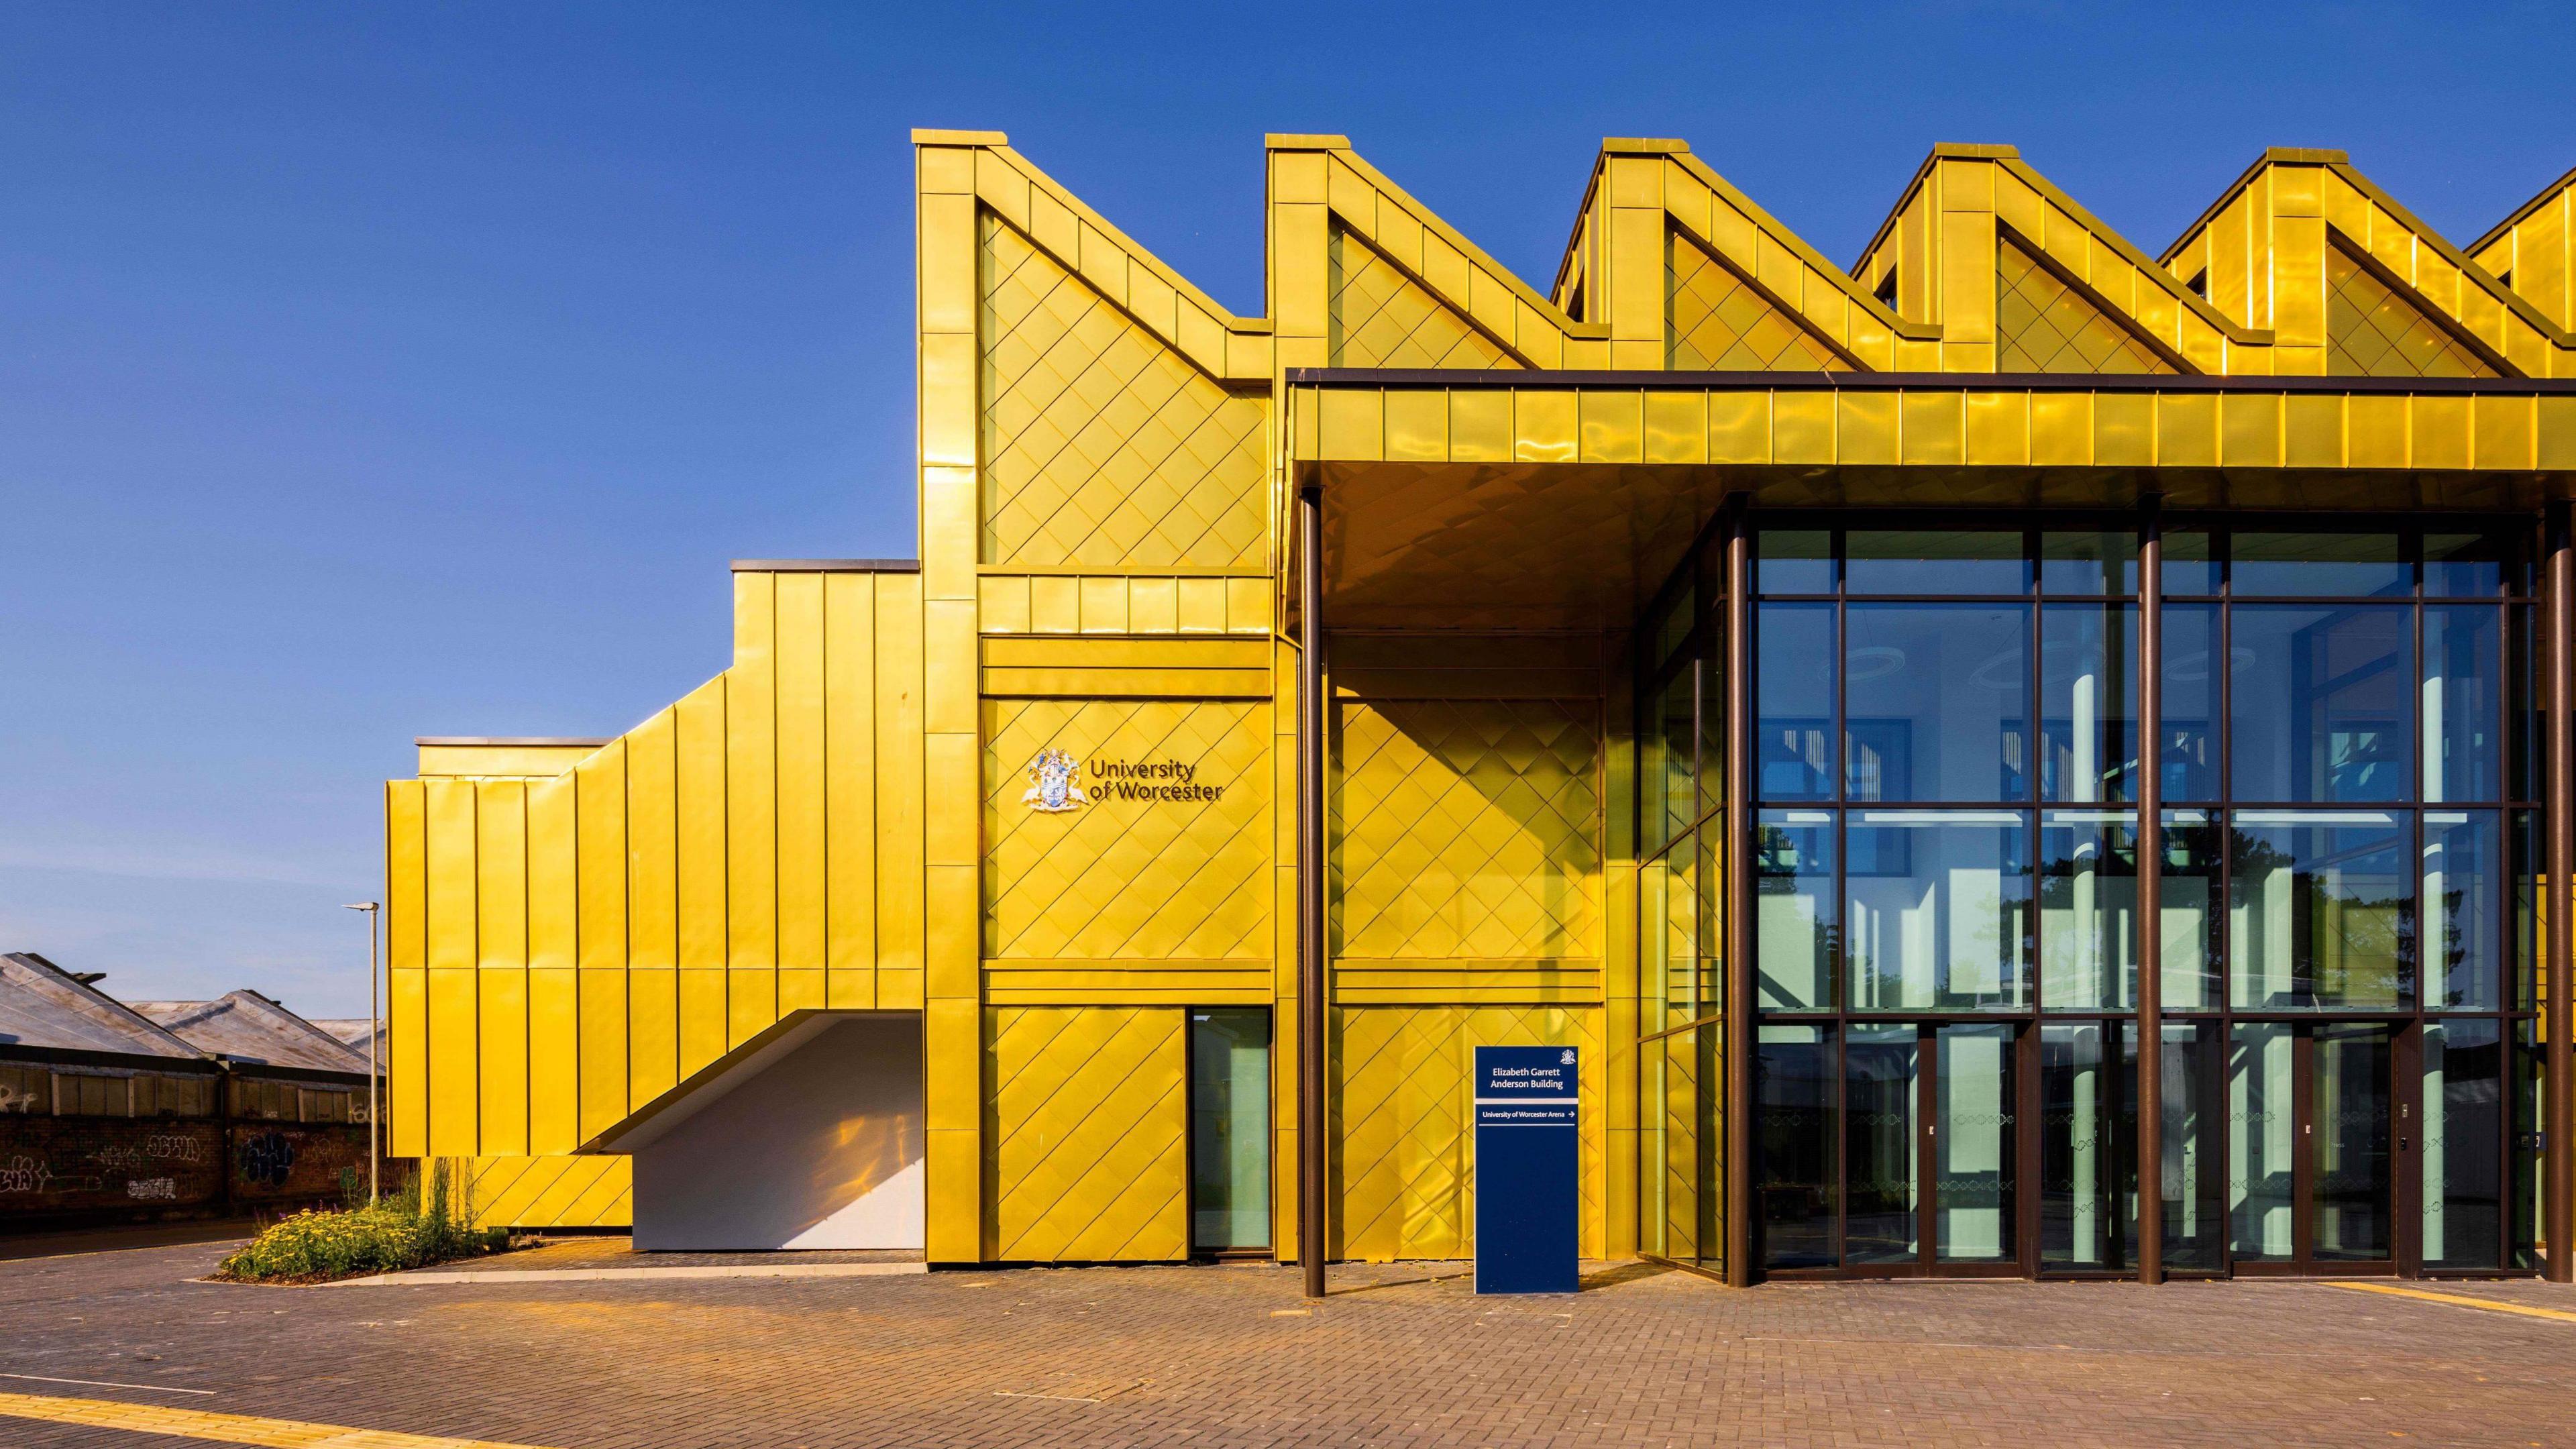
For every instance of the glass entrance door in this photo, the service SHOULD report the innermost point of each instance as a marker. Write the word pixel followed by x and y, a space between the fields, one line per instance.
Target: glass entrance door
pixel 2314 1144
pixel 1892 1148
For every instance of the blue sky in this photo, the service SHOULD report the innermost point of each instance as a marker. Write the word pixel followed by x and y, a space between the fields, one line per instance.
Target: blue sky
pixel 373 371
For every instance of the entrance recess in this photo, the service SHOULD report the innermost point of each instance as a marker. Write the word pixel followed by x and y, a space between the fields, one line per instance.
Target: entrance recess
pixel 1892 1148
pixel 2319 1139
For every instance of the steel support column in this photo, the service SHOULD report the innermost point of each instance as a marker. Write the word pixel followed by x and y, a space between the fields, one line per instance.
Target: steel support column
pixel 2558 1079
pixel 2150 793
pixel 1737 1027
pixel 1313 1108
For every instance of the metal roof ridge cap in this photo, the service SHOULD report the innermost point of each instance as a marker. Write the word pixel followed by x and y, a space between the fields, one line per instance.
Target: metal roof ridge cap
pixel 2528 205
pixel 825 566
pixel 590 742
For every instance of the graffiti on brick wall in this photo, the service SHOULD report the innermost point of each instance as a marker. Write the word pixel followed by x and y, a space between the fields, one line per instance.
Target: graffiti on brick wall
pixel 60 1165
pixel 266 1159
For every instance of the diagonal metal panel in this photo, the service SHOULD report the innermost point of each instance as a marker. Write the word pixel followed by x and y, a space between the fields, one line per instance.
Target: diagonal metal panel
pixel 1102 446
pixel 2374 332
pixel 1714 321
pixel 1467 829
pixel 1085 1132
pixel 1404 1159
pixel 1066 886
pixel 2044 325
pixel 1382 318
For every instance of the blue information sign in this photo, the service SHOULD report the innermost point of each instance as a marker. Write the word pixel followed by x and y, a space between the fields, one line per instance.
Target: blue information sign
pixel 1528 1192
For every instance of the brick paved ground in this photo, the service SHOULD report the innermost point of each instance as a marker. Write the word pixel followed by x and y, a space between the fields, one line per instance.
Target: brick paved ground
pixel 1204 1356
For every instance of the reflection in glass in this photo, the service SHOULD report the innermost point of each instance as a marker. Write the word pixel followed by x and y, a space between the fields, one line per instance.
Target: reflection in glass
pixel 2526 909
pixel 2322 709
pixel 2088 670
pixel 1793 909
pixel 2262 1135
pixel 1793 561
pixel 1936 701
pixel 2101 561
pixel 1934 561
pixel 1676 871
pixel 1879 1102
pixel 2088 1146
pixel 2187 911
pixel 2191 564
pixel 1670 780
pixel 2192 679
pixel 1793 1090
pixel 2522 710
pixel 2463 672
pixel 1937 910
pixel 1973 1142
pixel 2313 565
pixel 2465 565
pixel 2354 1170
pixel 2188 1078
pixel 1230 1129
pixel 1794 702
pixel 2530 1122
pixel 2088 906
pixel 1711 880
pixel 2088 1169
pixel 2463 907
pixel 2464 1102
pixel 2321 912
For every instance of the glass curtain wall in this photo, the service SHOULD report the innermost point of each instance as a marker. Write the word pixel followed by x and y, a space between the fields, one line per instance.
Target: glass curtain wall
pixel 1681 757
pixel 1945 765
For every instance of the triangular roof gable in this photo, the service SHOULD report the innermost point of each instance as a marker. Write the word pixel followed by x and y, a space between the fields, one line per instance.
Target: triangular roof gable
pixel 2264 244
pixel 1623 267
pixel 2533 251
pixel 1941 252
pixel 1322 196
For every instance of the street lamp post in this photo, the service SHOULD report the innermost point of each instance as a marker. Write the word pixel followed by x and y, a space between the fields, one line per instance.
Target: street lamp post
pixel 375 1031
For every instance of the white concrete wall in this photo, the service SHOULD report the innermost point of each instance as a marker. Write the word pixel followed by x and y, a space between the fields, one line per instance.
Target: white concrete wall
pixel 819 1146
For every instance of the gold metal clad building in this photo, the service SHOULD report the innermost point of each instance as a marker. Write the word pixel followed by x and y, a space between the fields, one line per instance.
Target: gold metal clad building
pixel 1853 708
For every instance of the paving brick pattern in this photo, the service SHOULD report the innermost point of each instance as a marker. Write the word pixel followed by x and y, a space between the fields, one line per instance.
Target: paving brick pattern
pixel 1226 1356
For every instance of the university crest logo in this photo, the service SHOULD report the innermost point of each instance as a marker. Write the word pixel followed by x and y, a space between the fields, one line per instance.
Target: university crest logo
pixel 1051 787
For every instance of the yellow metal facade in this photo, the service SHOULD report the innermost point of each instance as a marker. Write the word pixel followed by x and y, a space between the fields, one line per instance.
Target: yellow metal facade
pixel 1107 456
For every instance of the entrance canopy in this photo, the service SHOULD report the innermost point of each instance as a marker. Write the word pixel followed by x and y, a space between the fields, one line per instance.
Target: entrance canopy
pixel 1503 500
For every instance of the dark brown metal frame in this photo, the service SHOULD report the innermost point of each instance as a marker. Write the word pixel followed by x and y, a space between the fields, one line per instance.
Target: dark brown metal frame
pixel 1739 1001
pixel 2152 520
pixel 2151 859
pixel 2405 1252
pixel 2558 1079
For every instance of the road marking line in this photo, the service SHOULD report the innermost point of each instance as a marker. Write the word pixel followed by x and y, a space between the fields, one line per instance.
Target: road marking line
pixel 106 1384
pixel 224 1428
pixel 2489 1304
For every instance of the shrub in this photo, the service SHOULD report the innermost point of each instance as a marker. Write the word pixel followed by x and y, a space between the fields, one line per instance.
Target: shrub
pixel 419 1225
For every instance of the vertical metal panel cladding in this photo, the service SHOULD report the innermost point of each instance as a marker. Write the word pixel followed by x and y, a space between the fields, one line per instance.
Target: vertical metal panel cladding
pixel 406 969
pixel 1086 1122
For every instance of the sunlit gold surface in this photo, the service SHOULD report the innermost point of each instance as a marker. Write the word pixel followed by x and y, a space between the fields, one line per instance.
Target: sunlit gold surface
pixel 1106 459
